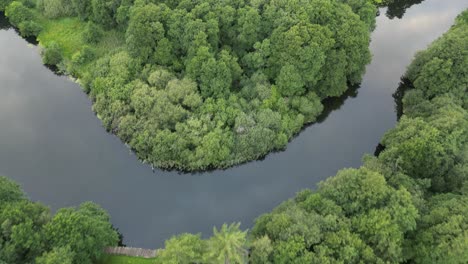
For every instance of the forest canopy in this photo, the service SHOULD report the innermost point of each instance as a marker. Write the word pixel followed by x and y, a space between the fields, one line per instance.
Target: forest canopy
pixel 409 204
pixel 29 233
pixel 205 84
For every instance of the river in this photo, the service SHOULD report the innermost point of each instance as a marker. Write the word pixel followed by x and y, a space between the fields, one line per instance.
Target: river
pixel 55 147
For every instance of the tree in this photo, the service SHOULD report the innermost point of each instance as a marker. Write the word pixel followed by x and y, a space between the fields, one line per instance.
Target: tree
pixel 61 255
pixel 354 216
pixel 261 250
pixel 21 238
pixel 82 8
pixel 289 81
pixel 9 192
pixel 92 33
pixel 186 248
pixel 227 245
pixel 4 4
pixel 29 28
pixel 29 234
pixel 85 230
pixel 214 148
pixel 103 12
pixel 417 149
pixel 52 54
pixel 442 234
pixel 144 30
pixel 17 13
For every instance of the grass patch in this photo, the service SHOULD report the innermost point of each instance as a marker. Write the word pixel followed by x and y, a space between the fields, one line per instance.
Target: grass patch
pixel 111 259
pixel 66 32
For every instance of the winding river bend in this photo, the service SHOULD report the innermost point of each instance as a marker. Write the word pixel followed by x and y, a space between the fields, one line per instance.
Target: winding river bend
pixel 55 147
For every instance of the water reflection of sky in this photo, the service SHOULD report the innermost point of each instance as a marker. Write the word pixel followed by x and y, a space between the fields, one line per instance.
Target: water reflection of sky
pixel 51 142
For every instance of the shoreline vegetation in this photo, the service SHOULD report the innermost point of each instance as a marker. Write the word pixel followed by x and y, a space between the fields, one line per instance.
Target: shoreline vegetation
pixel 199 85
pixel 30 233
pixel 409 204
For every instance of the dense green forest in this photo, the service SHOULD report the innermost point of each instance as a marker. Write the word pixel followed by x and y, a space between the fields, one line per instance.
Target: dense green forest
pixel 408 205
pixel 203 84
pixel 29 233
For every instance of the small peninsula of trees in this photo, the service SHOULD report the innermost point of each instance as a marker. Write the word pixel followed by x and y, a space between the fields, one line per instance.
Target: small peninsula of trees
pixel 30 234
pixel 203 84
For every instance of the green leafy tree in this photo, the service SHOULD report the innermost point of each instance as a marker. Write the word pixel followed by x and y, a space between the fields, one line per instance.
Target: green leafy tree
pixel 17 13
pixel 9 191
pixel 4 4
pixel 442 234
pixel 92 33
pixel 227 245
pixel 61 255
pixel 186 248
pixel 354 216
pixel 21 225
pixel 82 8
pixel 261 251
pixel 85 230
pixel 417 149
pixel 29 28
pixel 52 54
pixel 144 30
pixel 103 12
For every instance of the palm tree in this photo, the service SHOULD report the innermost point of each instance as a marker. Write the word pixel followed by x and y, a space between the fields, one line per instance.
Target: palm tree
pixel 227 246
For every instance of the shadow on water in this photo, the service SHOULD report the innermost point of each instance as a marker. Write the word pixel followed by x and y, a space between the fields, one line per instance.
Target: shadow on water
pixel 397 8
pixel 56 70
pixel 5 25
pixel 334 103
pixel 404 86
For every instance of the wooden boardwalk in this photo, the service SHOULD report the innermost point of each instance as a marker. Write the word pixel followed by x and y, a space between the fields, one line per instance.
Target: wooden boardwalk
pixel 131 252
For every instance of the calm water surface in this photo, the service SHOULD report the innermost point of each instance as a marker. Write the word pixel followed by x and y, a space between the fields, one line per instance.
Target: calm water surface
pixel 52 143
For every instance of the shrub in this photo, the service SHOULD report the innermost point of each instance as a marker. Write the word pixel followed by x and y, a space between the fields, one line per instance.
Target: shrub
pixel 29 28
pixel 4 4
pixel 29 3
pixel 18 13
pixel 84 56
pixel 93 33
pixel 52 54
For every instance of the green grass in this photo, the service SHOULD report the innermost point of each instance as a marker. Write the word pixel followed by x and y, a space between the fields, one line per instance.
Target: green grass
pixel 110 259
pixel 66 32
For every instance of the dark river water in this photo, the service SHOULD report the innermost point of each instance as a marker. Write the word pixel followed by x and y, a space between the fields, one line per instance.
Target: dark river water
pixel 55 147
